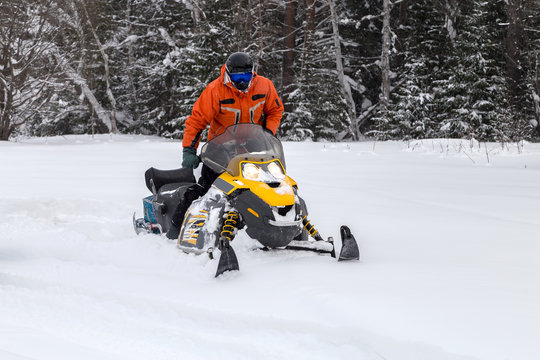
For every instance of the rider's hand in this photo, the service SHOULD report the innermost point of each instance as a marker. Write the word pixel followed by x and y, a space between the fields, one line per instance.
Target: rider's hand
pixel 190 160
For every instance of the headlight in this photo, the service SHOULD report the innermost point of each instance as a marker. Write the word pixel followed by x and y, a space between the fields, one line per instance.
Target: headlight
pixel 275 170
pixel 251 171
pixel 265 172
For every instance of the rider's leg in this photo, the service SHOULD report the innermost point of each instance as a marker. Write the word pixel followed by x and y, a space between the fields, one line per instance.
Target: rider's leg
pixel 192 193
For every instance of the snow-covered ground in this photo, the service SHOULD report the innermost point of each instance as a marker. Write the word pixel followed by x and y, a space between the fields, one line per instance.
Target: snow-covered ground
pixel 450 258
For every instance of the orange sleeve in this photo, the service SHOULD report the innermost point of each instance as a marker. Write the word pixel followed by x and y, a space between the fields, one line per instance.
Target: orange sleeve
pixel 273 109
pixel 204 110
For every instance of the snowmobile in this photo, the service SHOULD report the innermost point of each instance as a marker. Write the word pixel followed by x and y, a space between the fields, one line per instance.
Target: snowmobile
pixel 253 193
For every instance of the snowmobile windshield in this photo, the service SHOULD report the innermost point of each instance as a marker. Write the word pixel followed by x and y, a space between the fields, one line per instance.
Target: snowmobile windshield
pixel 240 139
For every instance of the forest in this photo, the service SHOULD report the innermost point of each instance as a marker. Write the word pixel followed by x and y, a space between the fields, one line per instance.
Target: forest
pixel 346 70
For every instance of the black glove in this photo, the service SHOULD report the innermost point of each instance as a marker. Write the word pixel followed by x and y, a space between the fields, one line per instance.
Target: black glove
pixel 190 158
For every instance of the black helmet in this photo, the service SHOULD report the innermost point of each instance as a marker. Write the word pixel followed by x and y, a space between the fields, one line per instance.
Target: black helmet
pixel 240 63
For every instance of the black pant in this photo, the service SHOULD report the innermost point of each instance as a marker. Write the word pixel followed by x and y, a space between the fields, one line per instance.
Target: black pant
pixel 208 176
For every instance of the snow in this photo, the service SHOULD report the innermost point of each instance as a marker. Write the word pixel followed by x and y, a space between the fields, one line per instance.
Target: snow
pixel 452 33
pixel 366 103
pixel 450 257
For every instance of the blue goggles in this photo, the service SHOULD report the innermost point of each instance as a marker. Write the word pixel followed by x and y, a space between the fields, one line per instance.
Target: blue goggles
pixel 241 77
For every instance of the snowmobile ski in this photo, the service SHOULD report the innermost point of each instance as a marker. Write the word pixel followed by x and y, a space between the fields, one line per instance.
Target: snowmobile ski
pixel 227 259
pixel 321 246
pixel 349 247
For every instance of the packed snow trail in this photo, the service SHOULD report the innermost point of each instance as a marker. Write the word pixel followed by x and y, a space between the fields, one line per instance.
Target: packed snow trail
pixel 450 258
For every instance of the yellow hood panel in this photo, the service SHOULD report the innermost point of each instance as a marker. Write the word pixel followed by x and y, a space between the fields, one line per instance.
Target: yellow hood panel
pixel 279 196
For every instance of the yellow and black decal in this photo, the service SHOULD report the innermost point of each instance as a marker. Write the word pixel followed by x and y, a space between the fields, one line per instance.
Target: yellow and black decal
pixel 191 228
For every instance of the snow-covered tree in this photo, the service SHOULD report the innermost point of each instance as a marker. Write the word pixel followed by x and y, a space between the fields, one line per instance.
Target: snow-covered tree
pixel 451 68
pixel 470 96
pixel 319 109
pixel 27 69
pixel 423 50
pixel 523 65
pixel 83 101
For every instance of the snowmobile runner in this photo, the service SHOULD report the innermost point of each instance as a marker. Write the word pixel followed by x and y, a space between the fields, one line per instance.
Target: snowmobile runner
pixel 252 192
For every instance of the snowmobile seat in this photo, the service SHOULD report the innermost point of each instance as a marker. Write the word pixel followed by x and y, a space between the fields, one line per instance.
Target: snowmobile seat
pixel 155 178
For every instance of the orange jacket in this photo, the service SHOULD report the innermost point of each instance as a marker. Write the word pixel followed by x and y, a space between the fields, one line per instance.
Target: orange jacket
pixel 222 105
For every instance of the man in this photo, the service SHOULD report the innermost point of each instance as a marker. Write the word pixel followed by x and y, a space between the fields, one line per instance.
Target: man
pixel 239 95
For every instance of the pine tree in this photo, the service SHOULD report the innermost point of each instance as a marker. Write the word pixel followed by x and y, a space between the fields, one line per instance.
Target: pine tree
pixel 152 40
pixel 81 102
pixel 359 28
pixel 470 96
pixel 27 67
pixel 319 110
pixel 144 63
pixel 526 107
pixel 424 48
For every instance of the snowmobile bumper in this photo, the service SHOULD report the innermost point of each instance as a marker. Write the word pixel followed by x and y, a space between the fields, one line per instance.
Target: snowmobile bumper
pixel 274 233
pixel 297 224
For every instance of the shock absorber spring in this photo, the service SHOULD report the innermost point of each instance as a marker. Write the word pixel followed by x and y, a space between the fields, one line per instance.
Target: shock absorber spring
pixel 229 225
pixel 310 228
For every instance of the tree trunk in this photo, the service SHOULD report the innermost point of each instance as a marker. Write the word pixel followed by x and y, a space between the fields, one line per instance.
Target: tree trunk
pixel 308 36
pixel 5 121
pixel 196 11
pixel 6 97
pixel 451 10
pixel 248 29
pixel 385 56
pixel 259 61
pixel 105 58
pixel 513 49
pixel 536 93
pixel 345 86
pixel 289 36
pixel 129 68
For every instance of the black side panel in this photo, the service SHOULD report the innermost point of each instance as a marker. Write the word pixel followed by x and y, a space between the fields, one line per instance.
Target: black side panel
pixel 156 178
pixel 304 235
pixel 166 201
pixel 248 200
pixel 303 207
